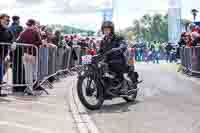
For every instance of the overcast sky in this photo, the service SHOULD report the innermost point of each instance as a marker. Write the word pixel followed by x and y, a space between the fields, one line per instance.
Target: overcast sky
pixel 86 13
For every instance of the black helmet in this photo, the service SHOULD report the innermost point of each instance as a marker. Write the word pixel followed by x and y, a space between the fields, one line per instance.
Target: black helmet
pixel 108 24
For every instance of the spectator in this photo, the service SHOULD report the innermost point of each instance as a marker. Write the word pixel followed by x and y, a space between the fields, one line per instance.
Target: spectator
pixel 30 35
pixel 83 46
pixel 168 49
pixel 67 39
pixel 146 51
pixel 141 52
pixel 44 56
pixel 162 50
pixel 137 54
pixel 196 29
pixel 182 41
pixel 62 42
pixel 15 28
pixel 47 39
pixel 57 38
pixel 173 55
pixel 156 54
pixel 188 40
pixel 150 55
pixel 195 36
pixel 72 40
pixel 5 37
pixel 152 47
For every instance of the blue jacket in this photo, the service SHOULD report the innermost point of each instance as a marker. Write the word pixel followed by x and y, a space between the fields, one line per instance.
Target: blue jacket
pixel 16 29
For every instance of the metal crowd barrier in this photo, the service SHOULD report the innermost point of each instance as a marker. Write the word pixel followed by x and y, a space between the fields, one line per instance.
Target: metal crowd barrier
pixel 24 66
pixel 190 60
pixel 24 70
pixel 55 64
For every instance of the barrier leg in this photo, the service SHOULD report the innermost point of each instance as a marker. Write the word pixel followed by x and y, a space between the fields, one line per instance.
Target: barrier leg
pixel 18 72
pixel 1 76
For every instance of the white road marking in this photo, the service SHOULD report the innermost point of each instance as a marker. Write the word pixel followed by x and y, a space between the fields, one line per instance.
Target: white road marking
pixel 75 113
pixel 83 120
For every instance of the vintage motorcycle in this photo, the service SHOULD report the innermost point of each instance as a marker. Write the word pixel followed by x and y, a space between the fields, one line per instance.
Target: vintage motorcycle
pixel 96 83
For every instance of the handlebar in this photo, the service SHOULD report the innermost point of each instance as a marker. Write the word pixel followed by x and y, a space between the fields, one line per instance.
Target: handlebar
pixel 110 51
pixel 101 56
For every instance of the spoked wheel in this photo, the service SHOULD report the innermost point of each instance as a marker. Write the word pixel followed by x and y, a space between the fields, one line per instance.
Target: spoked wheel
pixel 90 95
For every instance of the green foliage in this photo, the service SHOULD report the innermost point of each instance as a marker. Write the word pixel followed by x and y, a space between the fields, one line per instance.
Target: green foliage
pixel 70 30
pixel 150 28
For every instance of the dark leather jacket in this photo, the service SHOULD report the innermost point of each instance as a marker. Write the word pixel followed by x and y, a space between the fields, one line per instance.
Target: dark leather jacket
pixel 5 37
pixel 114 42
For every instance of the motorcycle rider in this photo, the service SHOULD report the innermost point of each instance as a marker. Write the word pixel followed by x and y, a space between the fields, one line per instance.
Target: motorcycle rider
pixel 116 60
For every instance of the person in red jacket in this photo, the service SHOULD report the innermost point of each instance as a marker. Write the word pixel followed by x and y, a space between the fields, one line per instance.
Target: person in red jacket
pixel 188 40
pixel 31 35
pixel 196 30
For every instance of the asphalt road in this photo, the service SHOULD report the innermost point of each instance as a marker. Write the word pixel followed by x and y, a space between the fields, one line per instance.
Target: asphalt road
pixel 167 103
pixel 42 114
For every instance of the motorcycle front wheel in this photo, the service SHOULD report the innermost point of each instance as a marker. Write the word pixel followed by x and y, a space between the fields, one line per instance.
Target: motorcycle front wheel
pixel 89 93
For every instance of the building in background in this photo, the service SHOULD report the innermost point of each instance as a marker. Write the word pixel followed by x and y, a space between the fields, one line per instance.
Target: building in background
pixel 174 21
pixel 108 10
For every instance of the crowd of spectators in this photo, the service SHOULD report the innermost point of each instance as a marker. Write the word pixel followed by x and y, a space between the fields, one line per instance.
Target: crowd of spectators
pixel 38 35
pixel 154 52
pixel 191 37
pixel 167 51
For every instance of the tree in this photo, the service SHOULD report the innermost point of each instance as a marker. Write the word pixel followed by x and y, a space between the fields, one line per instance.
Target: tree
pixel 70 30
pixel 137 29
pixel 155 28
pixel 150 28
pixel 194 13
pixel 146 20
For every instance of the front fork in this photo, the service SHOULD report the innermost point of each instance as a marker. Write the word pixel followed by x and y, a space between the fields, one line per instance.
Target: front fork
pixel 89 89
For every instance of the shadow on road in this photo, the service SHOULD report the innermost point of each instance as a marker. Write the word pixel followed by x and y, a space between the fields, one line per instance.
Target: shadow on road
pixel 121 107
pixel 4 100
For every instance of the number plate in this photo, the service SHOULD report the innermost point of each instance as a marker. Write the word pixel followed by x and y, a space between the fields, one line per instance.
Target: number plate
pixel 87 59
